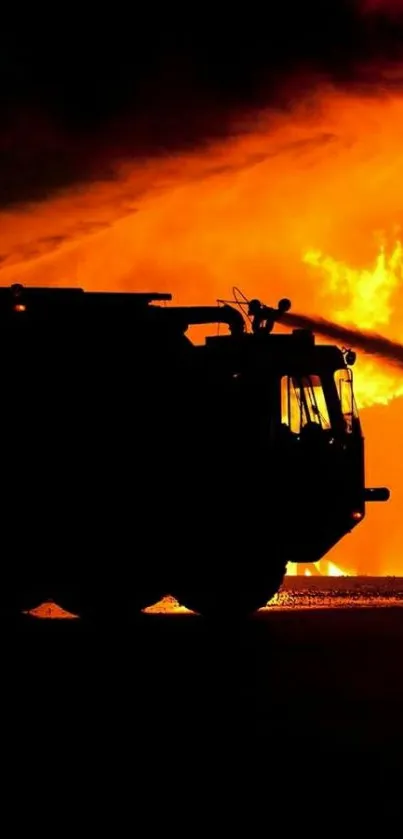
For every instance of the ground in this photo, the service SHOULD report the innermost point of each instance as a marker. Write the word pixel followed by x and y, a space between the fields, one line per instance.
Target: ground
pixel 312 695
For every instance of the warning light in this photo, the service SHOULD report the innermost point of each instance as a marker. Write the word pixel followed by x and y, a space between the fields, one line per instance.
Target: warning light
pixel 19 307
pixel 356 515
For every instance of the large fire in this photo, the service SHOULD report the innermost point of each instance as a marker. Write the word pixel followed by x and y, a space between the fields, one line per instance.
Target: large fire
pixel 306 204
pixel 366 296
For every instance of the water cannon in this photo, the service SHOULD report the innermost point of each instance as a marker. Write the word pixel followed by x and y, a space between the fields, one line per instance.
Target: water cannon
pixel 264 317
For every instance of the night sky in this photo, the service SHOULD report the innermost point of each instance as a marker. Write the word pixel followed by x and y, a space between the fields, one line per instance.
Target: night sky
pixel 80 91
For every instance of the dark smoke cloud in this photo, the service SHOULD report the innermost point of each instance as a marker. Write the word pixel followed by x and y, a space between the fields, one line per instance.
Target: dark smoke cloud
pixel 390 8
pixel 74 103
pixel 368 342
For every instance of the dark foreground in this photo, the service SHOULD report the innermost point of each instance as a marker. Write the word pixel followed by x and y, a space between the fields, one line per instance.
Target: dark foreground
pixel 314 695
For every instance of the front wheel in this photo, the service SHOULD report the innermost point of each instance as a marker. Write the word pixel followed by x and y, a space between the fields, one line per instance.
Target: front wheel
pixel 218 599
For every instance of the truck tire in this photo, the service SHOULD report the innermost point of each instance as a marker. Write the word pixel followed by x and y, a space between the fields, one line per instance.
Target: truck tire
pixel 214 599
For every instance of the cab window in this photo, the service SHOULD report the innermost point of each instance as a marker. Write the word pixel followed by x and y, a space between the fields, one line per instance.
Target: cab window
pixel 303 402
pixel 344 384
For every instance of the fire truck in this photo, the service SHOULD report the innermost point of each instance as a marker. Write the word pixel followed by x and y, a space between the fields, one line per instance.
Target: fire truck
pixel 138 461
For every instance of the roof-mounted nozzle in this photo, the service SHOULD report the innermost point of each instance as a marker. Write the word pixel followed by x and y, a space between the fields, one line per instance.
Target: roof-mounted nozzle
pixel 264 317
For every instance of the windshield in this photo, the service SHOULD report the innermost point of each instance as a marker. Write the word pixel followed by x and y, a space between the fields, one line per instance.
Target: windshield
pixel 303 402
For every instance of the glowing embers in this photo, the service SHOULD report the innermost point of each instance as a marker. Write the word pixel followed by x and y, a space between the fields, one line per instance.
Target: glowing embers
pixel 167 606
pixel 51 611
pixel 348 592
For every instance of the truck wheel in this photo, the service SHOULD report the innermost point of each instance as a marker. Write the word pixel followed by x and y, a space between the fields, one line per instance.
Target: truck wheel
pixel 220 601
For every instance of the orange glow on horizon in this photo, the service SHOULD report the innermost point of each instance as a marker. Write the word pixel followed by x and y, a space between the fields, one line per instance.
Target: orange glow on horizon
pixel 306 205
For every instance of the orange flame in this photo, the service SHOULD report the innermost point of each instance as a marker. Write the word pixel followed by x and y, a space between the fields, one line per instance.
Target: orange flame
pixel 248 211
pixel 368 304
pixel 368 293
pixel 323 568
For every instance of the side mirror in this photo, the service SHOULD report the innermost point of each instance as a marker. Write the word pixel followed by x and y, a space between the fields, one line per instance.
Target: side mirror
pixel 284 305
pixel 350 357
